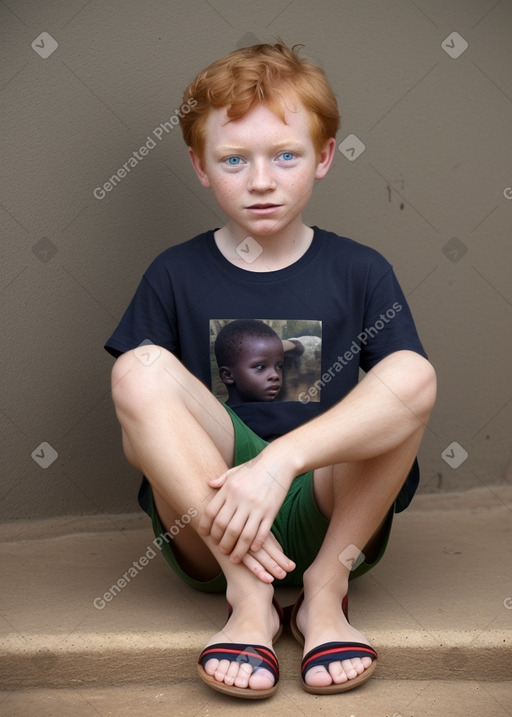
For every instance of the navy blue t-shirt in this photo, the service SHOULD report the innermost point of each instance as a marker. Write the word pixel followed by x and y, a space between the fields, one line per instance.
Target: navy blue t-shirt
pixel 340 303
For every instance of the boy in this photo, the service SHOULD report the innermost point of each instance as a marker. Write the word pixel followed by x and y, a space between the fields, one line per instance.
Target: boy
pixel 261 130
pixel 250 358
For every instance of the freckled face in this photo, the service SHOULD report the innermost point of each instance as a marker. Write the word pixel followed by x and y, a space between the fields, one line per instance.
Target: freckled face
pixel 257 374
pixel 261 170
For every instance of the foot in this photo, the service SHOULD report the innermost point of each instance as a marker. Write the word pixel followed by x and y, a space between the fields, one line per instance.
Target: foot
pixel 321 619
pixel 252 624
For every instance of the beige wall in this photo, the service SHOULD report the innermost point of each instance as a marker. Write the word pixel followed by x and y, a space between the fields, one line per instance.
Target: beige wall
pixel 431 182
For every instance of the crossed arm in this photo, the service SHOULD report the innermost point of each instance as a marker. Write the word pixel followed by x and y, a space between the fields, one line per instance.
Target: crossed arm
pixel 391 402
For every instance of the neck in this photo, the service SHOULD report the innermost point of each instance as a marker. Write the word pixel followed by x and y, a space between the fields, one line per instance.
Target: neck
pixel 264 252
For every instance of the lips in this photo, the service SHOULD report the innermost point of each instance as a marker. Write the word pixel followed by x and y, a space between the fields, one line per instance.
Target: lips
pixel 263 210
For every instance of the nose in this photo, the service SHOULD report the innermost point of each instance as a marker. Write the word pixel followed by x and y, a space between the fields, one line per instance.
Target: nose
pixel 273 375
pixel 260 177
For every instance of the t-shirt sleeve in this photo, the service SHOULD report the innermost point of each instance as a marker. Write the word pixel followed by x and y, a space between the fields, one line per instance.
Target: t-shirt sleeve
pixel 150 316
pixel 388 323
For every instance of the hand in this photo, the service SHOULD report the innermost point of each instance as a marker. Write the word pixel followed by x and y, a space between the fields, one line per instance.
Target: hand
pixel 240 515
pixel 269 561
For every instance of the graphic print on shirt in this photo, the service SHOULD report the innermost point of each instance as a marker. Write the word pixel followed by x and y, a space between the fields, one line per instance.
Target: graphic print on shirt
pixel 264 359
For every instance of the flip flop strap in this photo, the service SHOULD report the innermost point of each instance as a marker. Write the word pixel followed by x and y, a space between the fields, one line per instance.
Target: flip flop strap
pixel 329 652
pixel 256 656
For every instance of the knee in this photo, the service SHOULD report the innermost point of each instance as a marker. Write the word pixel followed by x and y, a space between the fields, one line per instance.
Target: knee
pixel 137 377
pixel 426 389
pixel 417 389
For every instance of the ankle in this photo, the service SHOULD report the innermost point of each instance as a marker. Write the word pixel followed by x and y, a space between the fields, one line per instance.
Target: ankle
pixel 253 596
pixel 314 583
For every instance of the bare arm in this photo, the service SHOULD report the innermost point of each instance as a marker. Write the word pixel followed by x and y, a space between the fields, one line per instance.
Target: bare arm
pixel 391 402
pixel 381 412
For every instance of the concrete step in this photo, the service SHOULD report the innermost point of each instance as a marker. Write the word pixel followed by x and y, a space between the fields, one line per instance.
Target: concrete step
pixel 439 606
pixel 377 698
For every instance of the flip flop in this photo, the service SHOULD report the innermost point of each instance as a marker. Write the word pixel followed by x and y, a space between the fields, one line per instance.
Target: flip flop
pixel 329 652
pixel 257 656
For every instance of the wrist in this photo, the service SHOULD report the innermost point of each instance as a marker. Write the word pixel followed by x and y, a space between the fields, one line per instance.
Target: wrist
pixel 280 459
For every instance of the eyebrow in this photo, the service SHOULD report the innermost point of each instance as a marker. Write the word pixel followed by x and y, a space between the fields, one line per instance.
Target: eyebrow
pixel 239 149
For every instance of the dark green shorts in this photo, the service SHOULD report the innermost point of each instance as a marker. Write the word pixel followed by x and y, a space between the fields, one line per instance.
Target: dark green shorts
pixel 299 526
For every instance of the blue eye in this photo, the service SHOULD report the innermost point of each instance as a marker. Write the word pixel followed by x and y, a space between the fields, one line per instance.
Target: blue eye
pixel 287 156
pixel 233 161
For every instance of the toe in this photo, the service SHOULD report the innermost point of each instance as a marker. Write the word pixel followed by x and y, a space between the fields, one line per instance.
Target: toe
pixel 221 671
pixel 233 673
pixel 244 672
pixel 352 668
pixel 317 677
pixel 240 674
pixel 211 666
pixel 338 673
pixel 356 666
pixel 261 679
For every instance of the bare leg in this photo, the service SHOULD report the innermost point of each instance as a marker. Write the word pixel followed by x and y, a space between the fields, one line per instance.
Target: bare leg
pixel 356 497
pixel 180 436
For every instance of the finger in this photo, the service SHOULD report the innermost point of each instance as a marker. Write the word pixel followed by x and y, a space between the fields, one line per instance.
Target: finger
pixel 272 545
pixel 210 514
pixel 232 531
pixel 261 535
pixel 245 539
pixel 257 568
pixel 226 528
pixel 215 519
pixel 269 564
pixel 275 552
pixel 218 482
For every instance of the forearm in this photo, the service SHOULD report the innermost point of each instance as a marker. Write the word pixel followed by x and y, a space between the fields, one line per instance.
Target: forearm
pixel 391 402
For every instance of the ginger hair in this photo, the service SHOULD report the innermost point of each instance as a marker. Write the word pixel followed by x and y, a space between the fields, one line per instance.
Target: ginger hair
pixel 259 74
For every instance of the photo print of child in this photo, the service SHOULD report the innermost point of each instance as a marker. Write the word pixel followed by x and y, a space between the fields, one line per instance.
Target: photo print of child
pixel 253 362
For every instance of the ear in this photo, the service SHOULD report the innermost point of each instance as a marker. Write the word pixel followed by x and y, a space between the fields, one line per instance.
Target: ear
pixel 199 168
pixel 226 376
pixel 325 158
